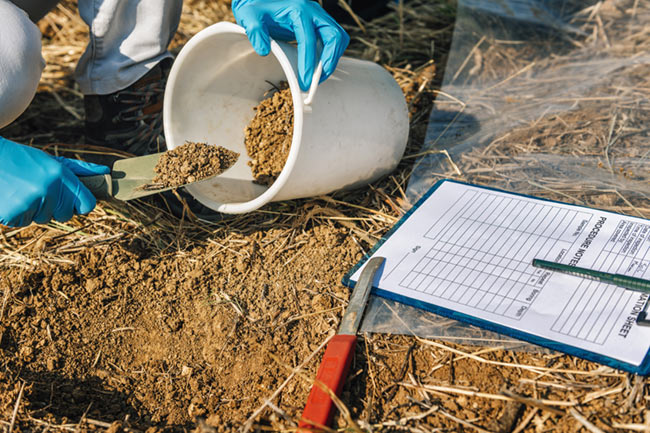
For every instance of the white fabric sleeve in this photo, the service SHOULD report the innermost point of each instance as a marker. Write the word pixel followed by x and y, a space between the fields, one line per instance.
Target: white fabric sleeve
pixel 21 62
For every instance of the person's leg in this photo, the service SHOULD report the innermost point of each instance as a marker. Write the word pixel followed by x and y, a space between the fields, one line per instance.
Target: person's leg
pixel 123 74
pixel 36 9
pixel 127 39
pixel 124 70
pixel 21 62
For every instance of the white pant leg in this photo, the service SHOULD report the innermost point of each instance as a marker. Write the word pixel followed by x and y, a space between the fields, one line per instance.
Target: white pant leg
pixel 21 63
pixel 127 39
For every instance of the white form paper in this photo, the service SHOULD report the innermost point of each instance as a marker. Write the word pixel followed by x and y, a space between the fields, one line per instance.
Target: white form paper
pixel 470 250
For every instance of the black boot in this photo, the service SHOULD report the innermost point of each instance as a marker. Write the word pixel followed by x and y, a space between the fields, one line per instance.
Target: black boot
pixel 130 120
pixel 364 9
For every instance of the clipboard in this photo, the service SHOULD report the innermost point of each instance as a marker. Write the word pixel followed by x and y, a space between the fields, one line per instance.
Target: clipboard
pixel 465 252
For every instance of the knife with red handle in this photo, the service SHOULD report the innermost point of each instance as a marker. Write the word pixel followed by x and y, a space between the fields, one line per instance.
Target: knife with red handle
pixel 335 365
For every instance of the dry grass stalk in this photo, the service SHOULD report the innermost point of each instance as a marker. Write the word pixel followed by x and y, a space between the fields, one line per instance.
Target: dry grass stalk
pixel 584 421
pixel 16 406
pixel 505 396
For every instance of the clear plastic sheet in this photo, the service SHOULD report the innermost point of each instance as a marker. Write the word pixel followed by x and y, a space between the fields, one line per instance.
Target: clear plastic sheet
pixel 548 98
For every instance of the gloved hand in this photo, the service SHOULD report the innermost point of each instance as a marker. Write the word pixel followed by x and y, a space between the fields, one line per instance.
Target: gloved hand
pixel 303 20
pixel 35 186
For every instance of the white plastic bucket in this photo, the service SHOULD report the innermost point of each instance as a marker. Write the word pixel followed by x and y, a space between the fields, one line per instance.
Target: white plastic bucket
pixel 353 132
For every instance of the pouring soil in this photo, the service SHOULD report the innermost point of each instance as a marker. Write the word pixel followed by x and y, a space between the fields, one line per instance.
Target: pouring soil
pixel 268 136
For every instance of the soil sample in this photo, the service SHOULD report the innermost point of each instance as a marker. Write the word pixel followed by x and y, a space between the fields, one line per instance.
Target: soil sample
pixel 191 162
pixel 268 136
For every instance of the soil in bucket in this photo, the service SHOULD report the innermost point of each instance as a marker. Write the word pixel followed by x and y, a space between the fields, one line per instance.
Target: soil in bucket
pixel 268 135
pixel 191 162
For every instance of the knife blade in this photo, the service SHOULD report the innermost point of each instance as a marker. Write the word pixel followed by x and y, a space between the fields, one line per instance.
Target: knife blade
pixel 336 361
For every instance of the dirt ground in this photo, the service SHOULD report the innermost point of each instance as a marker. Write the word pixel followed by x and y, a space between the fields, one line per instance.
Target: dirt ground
pixel 131 320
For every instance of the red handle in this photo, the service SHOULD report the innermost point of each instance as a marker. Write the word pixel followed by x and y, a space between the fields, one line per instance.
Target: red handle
pixel 332 373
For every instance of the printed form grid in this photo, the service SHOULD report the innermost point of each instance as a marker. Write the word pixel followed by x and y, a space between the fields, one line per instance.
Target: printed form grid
pixel 475 260
pixel 589 313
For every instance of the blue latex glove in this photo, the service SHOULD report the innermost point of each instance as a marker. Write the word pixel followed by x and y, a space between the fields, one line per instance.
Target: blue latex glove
pixel 35 186
pixel 302 20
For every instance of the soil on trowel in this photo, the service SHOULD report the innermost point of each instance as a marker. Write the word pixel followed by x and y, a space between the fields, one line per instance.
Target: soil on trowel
pixel 268 135
pixel 190 162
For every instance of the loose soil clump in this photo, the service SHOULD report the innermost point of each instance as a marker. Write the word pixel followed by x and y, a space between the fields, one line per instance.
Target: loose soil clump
pixel 190 162
pixel 268 136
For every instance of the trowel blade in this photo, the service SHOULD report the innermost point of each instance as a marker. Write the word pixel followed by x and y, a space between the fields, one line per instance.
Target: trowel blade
pixel 133 177
pixel 130 175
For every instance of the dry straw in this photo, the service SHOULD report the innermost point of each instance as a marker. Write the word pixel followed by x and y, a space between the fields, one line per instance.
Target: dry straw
pixel 546 391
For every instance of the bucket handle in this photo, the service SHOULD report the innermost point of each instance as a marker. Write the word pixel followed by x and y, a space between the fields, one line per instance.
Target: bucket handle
pixel 315 79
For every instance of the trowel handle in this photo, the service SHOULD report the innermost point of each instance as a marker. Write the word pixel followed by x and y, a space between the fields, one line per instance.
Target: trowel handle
pixel 332 373
pixel 101 185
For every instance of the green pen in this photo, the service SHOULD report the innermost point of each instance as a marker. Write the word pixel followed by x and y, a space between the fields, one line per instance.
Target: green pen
pixel 620 280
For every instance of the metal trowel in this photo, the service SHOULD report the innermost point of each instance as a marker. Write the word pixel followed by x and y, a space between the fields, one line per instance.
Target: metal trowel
pixel 131 178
